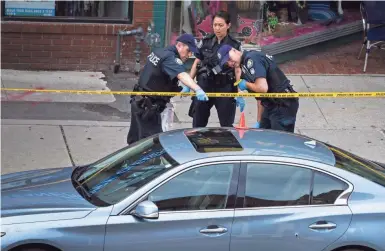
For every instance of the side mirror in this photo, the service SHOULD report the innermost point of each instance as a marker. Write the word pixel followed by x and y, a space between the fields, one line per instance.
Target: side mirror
pixel 146 210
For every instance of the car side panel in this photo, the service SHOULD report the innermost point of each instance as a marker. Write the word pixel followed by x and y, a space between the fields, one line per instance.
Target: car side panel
pixel 71 235
pixel 368 222
pixel 287 228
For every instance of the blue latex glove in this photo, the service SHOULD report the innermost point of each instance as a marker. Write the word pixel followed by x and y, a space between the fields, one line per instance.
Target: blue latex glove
pixel 241 85
pixel 201 95
pixel 185 89
pixel 241 103
pixel 256 125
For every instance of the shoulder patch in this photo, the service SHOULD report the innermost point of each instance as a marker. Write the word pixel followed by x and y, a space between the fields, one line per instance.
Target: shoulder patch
pixel 249 63
pixel 269 56
pixel 199 43
pixel 178 61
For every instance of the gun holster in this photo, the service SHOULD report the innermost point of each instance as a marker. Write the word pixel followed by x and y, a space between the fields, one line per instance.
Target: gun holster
pixel 147 107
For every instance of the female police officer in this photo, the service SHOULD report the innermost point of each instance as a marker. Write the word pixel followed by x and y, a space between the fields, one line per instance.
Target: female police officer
pixel 211 77
pixel 261 74
pixel 161 73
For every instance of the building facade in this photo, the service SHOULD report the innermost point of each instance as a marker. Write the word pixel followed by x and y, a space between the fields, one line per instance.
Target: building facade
pixel 75 35
pixel 82 35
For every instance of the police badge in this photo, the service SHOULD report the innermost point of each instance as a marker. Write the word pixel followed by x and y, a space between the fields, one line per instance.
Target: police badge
pixel 252 71
pixel 249 63
pixel 178 61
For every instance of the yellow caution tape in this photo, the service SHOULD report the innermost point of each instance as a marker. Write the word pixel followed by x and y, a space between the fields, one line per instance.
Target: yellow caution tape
pixel 217 95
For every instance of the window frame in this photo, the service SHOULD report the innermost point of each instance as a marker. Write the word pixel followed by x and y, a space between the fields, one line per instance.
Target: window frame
pixel 342 199
pixel 232 195
pixel 70 19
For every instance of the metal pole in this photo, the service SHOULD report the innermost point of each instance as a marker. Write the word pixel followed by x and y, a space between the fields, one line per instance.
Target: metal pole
pixel 139 34
pixel 117 56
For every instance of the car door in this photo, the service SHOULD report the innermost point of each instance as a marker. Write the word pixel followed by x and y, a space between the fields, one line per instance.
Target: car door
pixel 196 210
pixel 288 207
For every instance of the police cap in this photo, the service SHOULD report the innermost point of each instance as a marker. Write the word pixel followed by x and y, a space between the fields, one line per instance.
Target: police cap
pixel 188 40
pixel 223 54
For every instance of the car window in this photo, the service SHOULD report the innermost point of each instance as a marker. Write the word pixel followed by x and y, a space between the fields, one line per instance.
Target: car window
pixel 118 175
pixel 201 188
pixel 326 189
pixel 270 185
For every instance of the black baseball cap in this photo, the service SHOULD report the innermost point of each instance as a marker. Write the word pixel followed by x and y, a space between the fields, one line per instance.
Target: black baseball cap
pixel 189 40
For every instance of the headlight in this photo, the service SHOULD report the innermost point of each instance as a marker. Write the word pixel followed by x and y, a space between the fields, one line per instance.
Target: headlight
pixel 2 234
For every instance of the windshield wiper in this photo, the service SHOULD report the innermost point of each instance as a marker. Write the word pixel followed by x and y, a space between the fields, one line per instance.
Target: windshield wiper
pixel 85 192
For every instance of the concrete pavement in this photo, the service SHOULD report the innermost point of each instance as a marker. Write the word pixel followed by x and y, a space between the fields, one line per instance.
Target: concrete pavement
pixel 54 80
pixel 357 125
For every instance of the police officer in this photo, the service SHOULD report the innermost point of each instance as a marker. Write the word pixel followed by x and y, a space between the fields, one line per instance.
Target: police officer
pixel 261 74
pixel 211 77
pixel 163 70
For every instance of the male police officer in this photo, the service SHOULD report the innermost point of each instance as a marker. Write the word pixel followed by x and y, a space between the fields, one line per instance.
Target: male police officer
pixel 261 74
pixel 163 69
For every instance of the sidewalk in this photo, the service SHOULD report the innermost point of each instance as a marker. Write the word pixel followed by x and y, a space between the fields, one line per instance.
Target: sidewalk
pixel 357 125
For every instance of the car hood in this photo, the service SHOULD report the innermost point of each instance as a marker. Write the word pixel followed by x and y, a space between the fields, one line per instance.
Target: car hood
pixel 46 194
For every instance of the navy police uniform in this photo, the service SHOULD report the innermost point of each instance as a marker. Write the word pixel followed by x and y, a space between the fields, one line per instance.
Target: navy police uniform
pixel 159 75
pixel 279 114
pixel 212 78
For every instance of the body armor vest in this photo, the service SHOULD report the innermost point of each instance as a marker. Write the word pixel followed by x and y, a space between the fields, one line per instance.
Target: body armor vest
pixel 210 63
pixel 153 79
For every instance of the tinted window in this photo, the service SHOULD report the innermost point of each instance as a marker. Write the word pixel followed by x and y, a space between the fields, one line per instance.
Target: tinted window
pixel 197 189
pixel 209 140
pixel 118 175
pixel 359 166
pixel 270 185
pixel 326 189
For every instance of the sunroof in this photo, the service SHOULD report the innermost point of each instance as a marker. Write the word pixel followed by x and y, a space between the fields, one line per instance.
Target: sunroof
pixel 213 140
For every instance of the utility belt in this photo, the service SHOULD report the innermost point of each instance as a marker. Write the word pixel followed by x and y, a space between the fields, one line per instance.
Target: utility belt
pixel 149 104
pixel 213 75
pixel 270 102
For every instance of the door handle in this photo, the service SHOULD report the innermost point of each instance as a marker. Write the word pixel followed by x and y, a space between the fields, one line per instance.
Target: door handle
pixel 320 225
pixel 213 230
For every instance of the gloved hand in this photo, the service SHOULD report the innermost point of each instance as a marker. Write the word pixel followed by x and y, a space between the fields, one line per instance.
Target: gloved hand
pixel 241 84
pixel 241 103
pixel 201 95
pixel 185 89
pixel 256 125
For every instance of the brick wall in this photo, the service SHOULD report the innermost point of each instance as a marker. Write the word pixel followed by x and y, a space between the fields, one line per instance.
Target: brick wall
pixel 71 46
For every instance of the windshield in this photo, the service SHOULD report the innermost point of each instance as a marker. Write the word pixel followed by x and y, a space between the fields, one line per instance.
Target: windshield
pixel 359 166
pixel 118 175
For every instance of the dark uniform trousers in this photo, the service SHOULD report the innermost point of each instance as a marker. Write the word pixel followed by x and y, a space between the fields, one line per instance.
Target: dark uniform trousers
pixel 226 107
pixel 280 116
pixel 145 118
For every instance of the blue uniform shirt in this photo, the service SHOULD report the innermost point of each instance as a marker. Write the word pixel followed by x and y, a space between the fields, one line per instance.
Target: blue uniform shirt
pixel 255 65
pixel 161 69
pixel 172 65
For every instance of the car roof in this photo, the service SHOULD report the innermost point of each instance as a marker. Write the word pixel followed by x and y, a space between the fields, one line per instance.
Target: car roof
pixel 186 145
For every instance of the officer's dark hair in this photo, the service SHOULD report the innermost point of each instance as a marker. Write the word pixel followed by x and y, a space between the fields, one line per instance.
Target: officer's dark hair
pixel 224 15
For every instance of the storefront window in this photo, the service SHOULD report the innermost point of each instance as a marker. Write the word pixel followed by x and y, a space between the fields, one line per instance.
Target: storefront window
pixel 263 23
pixel 86 11
pixel 195 17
